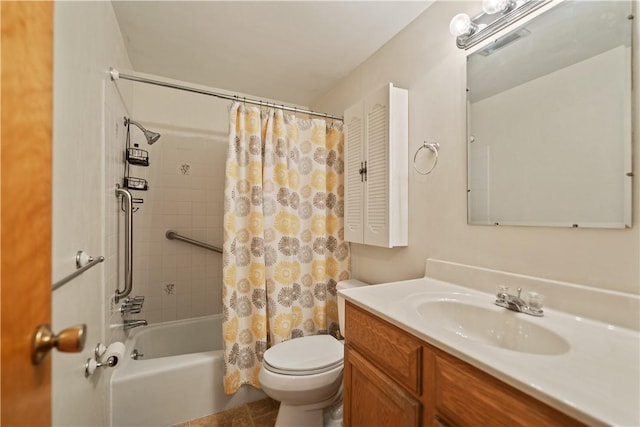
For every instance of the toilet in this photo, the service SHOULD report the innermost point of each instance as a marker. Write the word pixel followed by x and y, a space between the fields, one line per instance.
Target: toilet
pixel 305 375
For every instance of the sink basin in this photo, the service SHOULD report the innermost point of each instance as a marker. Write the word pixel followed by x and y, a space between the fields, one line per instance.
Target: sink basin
pixel 492 326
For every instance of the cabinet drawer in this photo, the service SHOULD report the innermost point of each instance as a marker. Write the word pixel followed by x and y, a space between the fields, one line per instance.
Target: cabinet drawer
pixel 394 351
pixel 467 396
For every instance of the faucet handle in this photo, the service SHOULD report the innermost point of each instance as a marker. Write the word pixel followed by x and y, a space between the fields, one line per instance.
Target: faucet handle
pixel 132 304
pixel 535 300
pixel 130 308
pixel 501 293
pixel 502 290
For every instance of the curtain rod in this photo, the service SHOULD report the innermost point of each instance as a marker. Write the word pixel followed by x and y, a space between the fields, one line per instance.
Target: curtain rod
pixel 116 75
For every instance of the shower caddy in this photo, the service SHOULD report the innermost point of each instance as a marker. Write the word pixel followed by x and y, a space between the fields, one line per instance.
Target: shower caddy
pixel 134 156
pixel 137 157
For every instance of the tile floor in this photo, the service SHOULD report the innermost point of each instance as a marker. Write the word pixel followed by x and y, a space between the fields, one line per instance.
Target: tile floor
pixel 261 413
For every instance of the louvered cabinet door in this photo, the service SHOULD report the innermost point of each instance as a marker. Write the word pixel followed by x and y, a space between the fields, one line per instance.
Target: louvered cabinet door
pixel 376 140
pixel 376 211
pixel 354 180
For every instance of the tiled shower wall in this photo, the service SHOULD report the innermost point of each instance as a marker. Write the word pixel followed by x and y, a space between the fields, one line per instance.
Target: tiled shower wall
pixel 186 192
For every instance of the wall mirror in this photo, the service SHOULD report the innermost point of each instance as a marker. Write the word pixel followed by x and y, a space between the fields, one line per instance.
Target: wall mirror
pixel 549 120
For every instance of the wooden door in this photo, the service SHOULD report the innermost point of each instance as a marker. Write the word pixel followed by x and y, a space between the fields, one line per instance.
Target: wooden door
pixel 372 399
pixel 25 173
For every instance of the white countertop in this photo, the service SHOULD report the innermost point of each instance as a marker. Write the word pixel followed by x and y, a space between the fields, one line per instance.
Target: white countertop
pixel 597 381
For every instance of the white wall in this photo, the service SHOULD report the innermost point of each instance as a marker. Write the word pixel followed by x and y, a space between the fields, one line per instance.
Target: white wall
pixel 424 59
pixel 87 159
pixel 179 111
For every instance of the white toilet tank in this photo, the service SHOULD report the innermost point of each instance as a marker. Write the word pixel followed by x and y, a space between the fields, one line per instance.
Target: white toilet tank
pixel 345 284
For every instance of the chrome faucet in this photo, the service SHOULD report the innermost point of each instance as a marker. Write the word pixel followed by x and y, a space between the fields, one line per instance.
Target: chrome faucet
pixel 130 324
pixel 517 303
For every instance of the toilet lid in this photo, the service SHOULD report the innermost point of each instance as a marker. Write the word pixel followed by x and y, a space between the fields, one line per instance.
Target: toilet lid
pixel 305 355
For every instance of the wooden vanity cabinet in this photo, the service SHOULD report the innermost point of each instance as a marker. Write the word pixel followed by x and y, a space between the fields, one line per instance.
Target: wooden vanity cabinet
pixel 374 398
pixel 392 378
pixel 382 373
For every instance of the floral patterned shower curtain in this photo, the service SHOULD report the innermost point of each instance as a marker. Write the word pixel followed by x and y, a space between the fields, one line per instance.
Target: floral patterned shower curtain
pixel 283 235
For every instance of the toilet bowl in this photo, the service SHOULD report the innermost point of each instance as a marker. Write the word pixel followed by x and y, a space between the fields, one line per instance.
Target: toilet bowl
pixel 305 375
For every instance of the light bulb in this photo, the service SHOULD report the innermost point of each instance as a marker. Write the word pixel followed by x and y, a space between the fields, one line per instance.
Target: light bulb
pixel 497 6
pixel 461 25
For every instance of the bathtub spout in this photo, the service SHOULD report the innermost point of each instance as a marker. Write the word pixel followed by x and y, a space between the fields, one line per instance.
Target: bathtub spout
pixel 130 324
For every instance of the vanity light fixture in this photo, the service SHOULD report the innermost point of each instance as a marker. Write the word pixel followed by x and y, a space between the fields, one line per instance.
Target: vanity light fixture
pixel 461 25
pixel 496 15
pixel 492 7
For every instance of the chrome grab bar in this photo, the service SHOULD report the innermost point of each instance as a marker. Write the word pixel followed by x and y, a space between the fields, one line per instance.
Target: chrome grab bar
pixel 81 269
pixel 128 247
pixel 172 235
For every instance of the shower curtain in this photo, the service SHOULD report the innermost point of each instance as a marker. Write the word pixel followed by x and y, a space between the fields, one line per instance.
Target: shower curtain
pixel 283 235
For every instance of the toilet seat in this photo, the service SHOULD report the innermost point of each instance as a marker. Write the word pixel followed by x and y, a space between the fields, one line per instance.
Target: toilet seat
pixel 304 356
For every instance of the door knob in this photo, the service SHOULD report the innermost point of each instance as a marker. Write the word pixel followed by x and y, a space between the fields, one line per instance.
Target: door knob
pixel 69 340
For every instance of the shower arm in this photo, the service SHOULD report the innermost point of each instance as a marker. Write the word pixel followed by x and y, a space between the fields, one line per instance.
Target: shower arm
pixel 150 136
pixel 128 247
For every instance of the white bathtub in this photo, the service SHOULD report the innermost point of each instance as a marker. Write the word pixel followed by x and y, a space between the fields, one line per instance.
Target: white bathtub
pixel 179 378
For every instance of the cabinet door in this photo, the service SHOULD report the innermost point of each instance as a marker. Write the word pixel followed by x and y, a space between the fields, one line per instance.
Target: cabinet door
pixel 373 399
pixel 376 212
pixel 353 182
pixel 467 396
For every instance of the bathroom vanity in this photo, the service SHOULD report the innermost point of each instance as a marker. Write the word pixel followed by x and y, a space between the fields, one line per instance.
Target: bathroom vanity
pixel 394 378
pixel 427 352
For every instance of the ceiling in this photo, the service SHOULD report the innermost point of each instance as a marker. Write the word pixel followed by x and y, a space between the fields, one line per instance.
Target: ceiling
pixel 292 51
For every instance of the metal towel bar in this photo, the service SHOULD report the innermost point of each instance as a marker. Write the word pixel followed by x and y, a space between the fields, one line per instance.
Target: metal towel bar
pixel 172 235
pixel 80 257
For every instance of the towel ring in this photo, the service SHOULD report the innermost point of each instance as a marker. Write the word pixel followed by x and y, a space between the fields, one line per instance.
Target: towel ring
pixel 433 146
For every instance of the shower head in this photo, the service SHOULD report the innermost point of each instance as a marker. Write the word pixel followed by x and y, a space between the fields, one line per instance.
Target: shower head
pixel 151 136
